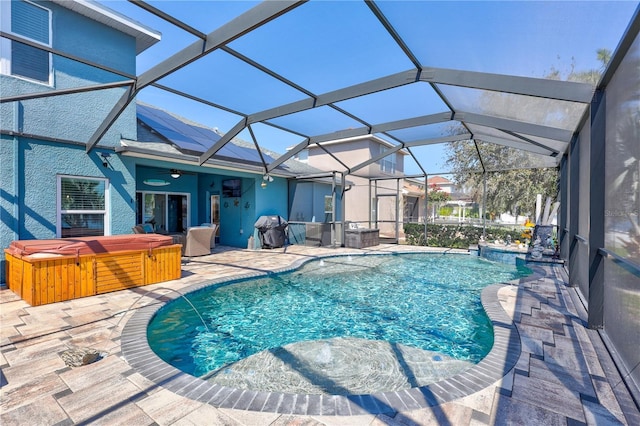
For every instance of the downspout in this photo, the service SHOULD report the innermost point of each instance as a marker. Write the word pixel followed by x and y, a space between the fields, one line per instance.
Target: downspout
pixel 370 206
pixel 375 193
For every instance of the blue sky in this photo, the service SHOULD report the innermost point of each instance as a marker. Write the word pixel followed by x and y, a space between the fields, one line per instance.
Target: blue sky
pixel 325 46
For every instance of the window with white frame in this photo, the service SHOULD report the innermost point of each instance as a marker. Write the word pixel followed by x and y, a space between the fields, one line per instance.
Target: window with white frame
pixel 33 23
pixel 83 208
pixel 388 163
pixel 328 208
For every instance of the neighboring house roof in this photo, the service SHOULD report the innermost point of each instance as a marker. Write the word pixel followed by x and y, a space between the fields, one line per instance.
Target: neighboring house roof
pixel 460 196
pixel 145 36
pixel 175 138
pixel 412 190
pixel 438 180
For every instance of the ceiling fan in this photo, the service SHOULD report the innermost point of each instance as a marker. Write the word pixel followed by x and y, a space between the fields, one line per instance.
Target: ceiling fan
pixel 175 173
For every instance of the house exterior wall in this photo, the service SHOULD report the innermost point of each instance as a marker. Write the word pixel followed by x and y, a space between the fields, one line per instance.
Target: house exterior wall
pixel 348 153
pixel 29 187
pixel 51 131
pixel 359 198
pixel 83 112
pixel 237 214
pixel 352 153
pixel 442 184
pixel 271 200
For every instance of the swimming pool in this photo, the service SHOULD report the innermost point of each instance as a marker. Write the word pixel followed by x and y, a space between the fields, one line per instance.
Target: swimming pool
pixel 423 305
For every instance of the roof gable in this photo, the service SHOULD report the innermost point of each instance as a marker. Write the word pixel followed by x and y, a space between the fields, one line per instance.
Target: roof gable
pixel 145 36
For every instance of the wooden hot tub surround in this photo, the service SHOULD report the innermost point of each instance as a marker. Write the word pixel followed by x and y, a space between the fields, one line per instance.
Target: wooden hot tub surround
pixel 48 271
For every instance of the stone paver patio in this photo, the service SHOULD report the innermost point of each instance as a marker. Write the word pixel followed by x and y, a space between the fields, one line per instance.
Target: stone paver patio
pixel 563 375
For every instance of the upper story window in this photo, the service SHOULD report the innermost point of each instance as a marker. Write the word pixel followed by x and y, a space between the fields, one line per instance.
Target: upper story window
pixel 302 156
pixel 32 22
pixel 388 163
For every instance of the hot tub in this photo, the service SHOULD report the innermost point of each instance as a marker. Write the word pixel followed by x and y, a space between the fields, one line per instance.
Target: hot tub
pixel 47 271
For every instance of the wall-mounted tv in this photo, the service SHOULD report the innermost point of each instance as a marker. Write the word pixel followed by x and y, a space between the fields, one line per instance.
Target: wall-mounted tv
pixel 232 188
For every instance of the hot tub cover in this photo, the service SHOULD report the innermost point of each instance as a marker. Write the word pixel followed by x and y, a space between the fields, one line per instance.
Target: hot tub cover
pixel 88 245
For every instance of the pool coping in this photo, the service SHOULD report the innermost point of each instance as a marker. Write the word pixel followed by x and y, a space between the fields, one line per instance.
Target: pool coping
pixel 502 357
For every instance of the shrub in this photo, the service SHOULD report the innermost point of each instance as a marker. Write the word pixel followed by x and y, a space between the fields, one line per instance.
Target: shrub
pixel 445 211
pixel 454 236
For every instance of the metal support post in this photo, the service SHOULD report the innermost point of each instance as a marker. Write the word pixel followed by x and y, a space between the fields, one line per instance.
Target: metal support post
pixel 597 180
pixel 426 210
pixel 333 209
pixel 398 211
pixel 343 204
pixel 563 240
pixel 484 206
pixel 573 207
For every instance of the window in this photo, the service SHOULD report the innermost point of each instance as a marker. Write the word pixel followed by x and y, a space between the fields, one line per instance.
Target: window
pixel 388 163
pixel 82 207
pixel 302 156
pixel 328 208
pixel 32 22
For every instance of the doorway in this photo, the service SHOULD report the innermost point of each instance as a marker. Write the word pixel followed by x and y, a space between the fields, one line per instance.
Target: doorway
pixel 215 212
pixel 166 212
pixel 386 217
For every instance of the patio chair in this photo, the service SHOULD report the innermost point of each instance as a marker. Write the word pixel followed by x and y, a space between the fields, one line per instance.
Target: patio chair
pixel 213 236
pixel 198 241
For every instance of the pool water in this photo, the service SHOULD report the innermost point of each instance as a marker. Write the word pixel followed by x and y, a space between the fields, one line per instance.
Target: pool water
pixel 425 301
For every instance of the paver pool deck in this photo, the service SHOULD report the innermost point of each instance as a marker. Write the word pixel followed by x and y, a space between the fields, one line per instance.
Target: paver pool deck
pixel 563 374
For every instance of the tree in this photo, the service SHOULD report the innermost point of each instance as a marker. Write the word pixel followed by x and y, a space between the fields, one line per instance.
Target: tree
pixel 514 189
pixel 511 191
pixel 592 76
pixel 436 196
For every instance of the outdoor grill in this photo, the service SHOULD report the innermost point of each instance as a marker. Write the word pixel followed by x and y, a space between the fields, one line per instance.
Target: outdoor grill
pixel 272 231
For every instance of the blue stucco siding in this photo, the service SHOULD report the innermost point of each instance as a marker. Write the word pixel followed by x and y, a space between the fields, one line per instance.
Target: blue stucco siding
pixel 41 162
pixel 69 118
pixel 80 36
pixel 237 214
pixel 28 187
pixel 75 117
pixel 186 184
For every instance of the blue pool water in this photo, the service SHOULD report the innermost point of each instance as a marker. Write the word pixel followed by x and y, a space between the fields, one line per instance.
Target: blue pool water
pixel 427 301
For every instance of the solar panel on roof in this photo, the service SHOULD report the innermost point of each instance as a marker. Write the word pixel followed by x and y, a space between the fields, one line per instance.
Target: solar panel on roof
pixel 193 139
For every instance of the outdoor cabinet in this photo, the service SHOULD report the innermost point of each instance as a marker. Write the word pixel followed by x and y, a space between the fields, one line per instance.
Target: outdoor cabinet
pixel 361 238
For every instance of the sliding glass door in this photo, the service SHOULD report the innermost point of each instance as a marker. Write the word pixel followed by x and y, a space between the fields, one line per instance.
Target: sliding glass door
pixel 168 212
